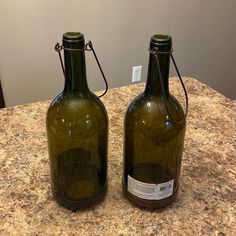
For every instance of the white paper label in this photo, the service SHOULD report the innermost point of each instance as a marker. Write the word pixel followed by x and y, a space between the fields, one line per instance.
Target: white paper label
pixel 150 191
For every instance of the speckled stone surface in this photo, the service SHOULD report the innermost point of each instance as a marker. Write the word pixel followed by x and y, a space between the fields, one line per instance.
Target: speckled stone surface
pixel 206 203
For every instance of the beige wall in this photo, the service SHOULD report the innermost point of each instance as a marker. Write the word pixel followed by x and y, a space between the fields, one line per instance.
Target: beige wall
pixel 204 36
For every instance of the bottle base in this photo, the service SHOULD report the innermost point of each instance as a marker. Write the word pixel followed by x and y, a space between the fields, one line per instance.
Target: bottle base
pixel 74 205
pixel 148 203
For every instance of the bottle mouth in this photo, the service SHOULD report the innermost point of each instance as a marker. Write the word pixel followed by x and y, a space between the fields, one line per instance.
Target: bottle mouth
pixel 73 40
pixel 161 39
pixel 73 37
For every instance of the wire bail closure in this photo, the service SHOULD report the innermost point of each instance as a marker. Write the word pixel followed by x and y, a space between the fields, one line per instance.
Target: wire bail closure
pixel 155 51
pixel 88 47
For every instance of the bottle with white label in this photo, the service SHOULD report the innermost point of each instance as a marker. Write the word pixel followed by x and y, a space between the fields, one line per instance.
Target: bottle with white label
pixel 154 133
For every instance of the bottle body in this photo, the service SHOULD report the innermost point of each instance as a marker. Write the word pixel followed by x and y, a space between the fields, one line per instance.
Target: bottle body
pixel 77 130
pixel 153 149
pixel 153 146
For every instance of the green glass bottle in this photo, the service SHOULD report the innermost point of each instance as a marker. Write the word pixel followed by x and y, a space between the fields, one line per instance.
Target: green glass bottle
pixel 77 130
pixel 153 143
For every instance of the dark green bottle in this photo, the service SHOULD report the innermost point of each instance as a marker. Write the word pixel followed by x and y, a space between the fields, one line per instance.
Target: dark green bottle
pixel 77 130
pixel 153 143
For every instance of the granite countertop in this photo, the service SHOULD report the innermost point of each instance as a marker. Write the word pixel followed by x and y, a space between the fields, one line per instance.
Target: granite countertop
pixel 206 204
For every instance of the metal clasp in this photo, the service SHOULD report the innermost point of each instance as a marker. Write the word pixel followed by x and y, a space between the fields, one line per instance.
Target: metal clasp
pixel 88 47
pixel 155 51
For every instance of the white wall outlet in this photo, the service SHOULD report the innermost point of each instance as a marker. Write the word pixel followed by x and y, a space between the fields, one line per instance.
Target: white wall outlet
pixel 136 74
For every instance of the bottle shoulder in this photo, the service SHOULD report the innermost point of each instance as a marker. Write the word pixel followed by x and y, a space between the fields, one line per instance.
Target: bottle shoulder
pixel 150 112
pixel 75 116
pixel 76 101
pixel 76 107
pixel 137 103
pixel 155 104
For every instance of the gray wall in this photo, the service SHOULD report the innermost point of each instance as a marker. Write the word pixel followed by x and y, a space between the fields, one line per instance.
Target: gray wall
pixel 204 35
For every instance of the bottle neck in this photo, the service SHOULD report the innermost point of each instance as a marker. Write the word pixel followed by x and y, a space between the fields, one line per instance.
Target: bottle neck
pixel 153 85
pixel 75 72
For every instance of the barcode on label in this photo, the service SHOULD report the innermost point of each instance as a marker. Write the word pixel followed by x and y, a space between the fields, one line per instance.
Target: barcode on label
pixel 163 188
pixel 150 191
